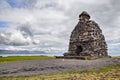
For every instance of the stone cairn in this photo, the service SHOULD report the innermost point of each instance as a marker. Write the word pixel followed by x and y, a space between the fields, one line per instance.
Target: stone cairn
pixel 86 39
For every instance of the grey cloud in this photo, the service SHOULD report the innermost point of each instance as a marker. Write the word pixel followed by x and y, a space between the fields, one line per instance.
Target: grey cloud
pixel 16 38
pixel 26 28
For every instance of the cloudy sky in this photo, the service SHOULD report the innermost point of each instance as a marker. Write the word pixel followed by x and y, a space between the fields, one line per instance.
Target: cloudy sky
pixel 47 24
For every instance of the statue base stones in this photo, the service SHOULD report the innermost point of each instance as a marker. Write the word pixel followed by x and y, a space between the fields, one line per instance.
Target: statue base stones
pixel 81 57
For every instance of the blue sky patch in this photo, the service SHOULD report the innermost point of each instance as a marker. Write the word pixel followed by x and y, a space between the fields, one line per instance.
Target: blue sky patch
pixel 3 24
pixel 15 4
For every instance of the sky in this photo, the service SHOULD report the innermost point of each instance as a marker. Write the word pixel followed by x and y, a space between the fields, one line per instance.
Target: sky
pixel 47 24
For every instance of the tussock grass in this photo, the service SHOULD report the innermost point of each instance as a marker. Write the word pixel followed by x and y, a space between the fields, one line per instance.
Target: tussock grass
pixel 116 56
pixel 22 58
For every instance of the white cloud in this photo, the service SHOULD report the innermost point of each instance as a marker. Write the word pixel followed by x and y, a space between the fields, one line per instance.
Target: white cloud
pixel 48 23
pixel 16 38
pixel 13 48
pixel 4 5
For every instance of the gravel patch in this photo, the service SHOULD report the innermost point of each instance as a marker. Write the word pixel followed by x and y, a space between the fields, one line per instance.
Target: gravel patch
pixel 48 66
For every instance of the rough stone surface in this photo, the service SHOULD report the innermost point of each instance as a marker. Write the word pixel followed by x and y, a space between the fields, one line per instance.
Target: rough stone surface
pixel 86 39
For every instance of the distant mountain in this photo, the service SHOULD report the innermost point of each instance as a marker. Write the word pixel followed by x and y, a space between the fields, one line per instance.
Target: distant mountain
pixel 21 52
pixel 6 52
pixel 27 52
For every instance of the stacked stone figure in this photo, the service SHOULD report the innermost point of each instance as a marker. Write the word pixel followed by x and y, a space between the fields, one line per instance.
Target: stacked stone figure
pixel 86 39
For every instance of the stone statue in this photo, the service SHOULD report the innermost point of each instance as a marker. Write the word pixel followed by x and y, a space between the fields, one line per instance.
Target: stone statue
pixel 86 39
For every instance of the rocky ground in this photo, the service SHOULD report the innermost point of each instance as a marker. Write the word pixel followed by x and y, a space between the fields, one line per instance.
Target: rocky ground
pixel 48 66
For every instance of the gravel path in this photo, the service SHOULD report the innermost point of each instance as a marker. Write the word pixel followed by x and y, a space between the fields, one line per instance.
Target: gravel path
pixel 32 67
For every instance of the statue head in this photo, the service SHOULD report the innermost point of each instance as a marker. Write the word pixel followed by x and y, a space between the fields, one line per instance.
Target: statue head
pixel 84 16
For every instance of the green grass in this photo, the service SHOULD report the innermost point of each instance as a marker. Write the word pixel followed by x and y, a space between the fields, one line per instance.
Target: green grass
pixel 22 58
pixel 105 73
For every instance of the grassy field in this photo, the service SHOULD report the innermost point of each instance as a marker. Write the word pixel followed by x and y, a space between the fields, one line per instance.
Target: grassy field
pixel 105 73
pixel 22 58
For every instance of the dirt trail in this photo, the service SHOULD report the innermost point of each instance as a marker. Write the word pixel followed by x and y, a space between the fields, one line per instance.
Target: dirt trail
pixel 32 67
